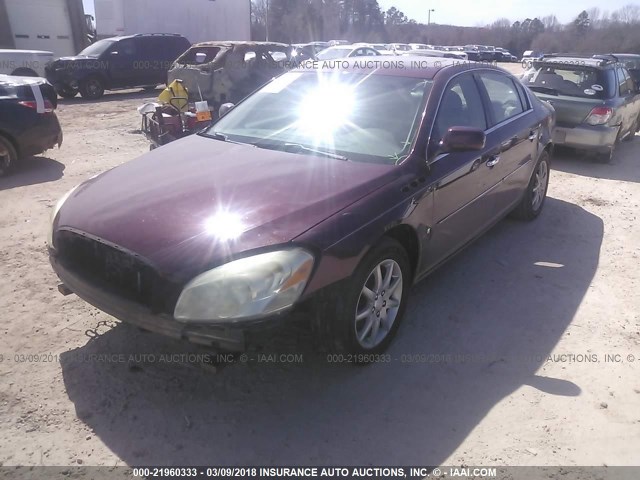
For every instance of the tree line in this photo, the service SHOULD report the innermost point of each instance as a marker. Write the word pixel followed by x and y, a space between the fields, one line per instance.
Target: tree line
pixel 301 21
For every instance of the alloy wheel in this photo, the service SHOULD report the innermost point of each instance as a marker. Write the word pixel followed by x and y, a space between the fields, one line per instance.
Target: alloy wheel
pixel 540 185
pixel 93 87
pixel 378 304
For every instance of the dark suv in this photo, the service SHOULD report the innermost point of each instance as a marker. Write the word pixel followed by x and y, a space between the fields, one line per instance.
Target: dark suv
pixel 140 60
pixel 596 100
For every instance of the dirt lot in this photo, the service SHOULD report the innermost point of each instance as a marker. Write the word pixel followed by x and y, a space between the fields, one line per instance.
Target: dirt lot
pixel 501 358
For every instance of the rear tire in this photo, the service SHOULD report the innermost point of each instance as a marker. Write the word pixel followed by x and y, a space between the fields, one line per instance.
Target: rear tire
pixel 534 197
pixel 92 88
pixel 8 156
pixel 25 72
pixel 361 315
pixel 607 156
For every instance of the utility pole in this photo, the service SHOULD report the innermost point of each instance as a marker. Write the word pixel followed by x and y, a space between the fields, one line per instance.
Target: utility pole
pixel 429 25
pixel 267 22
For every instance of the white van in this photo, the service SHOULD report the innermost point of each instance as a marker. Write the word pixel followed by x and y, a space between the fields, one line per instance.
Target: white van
pixel 24 63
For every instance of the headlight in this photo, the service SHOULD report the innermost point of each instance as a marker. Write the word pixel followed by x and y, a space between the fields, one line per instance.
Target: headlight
pixel 247 288
pixel 54 214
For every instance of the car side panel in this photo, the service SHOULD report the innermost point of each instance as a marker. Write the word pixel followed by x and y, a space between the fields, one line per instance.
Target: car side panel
pixel 406 199
pixel 516 143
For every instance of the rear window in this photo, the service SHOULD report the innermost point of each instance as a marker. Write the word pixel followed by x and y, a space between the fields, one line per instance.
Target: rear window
pixel 569 80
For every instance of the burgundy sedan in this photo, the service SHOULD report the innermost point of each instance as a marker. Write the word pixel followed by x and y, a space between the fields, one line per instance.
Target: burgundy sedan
pixel 336 187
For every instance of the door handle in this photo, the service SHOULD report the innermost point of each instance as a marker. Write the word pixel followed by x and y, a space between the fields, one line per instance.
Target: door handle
pixel 533 135
pixel 493 161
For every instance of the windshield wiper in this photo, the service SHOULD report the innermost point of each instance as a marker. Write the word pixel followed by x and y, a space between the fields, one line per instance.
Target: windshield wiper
pixel 541 89
pixel 298 148
pixel 218 136
pixel 222 137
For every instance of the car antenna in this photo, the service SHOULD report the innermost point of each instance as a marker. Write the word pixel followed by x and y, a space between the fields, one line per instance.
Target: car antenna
pixel 200 92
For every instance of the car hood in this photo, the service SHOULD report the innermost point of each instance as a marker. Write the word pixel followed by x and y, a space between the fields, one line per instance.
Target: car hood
pixel 75 58
pixel 62 61
pixel 197 202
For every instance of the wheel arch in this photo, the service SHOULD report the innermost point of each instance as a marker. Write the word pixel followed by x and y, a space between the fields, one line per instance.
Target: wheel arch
pixel 106 83
pixel 406 236
pixel 11 140
pixel 25 72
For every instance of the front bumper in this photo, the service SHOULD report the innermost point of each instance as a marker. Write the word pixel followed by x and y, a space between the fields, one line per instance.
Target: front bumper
pixel 226 337
pixel 598 137
pixel 62 78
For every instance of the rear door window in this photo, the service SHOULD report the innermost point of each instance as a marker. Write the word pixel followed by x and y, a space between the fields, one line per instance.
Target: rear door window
pixel 503 95
pixel 126 47
pixel 623 84
pixel 149 48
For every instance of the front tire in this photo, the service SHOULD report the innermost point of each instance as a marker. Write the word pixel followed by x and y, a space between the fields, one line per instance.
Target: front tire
pixel 92 88
pixel 8 156
pixel 363 315
pixel 534 197
pixel 67 92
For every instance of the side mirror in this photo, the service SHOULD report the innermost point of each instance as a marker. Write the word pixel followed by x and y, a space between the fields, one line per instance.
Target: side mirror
pixel 461 139
pixel 224 109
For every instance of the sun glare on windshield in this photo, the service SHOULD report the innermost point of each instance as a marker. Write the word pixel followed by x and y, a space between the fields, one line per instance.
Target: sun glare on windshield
pixel 324 110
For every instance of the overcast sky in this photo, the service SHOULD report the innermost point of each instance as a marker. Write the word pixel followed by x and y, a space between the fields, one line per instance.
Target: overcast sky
pixel 88 6
pixel 481 12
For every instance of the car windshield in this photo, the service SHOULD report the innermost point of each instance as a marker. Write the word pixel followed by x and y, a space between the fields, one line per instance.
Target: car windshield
pixel 97 48
pixel 370 118
pixel 567 80
pixel 333 53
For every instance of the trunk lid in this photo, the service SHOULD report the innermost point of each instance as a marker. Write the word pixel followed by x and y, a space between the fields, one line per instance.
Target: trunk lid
pixel 570 111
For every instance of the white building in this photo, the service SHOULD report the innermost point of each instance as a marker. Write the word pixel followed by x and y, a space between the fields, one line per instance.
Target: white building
pixel 50 25
pixel 197 20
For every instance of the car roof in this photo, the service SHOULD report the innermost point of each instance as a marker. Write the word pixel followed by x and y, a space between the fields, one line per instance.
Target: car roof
pixel 14 81
pixel 401 66
pixel 32 52
pixel 577 61
pixel 627 56
pixel 145 35
pixel 346 47
pixel 230 44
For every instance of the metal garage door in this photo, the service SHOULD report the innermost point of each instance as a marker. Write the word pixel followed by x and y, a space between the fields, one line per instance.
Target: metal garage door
pixel 41 25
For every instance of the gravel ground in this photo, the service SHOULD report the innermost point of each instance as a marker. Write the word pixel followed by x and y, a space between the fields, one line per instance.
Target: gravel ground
pixel 502 358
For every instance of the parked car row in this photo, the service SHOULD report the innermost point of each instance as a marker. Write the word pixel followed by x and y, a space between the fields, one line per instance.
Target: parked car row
pixel 469 52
